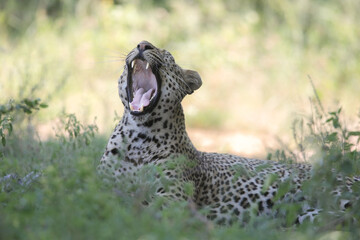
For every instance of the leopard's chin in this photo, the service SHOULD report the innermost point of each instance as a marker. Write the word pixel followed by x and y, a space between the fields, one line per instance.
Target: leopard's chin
pixel 143 86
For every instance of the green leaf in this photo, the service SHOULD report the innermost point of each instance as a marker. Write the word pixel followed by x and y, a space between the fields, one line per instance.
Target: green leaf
pixel 3 141
pixel 346 167
pixel 284 188
pixel 27 110
pixel 87 140
pixel 36 101
pixel 240 171
pixel 43 105
pixel 347 146
pixel 171 165
pixel 329 119
pixel 2 109
pixel 10 128
pixel 292 211
pixel 356 187
pixel 28 102
pixel 188 189
pixel 262 167
pixel 355 133
pixel 332 137
pixel 270 179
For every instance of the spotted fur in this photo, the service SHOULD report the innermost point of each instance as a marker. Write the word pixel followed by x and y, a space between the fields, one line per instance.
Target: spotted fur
pixel 227 185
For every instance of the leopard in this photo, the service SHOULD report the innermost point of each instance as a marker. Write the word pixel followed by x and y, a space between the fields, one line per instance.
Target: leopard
pixel 152 131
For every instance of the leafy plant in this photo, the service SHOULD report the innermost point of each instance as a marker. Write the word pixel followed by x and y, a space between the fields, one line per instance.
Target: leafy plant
pixel 74 132
pixel 5 126
pixel 13 108
pixel 324 140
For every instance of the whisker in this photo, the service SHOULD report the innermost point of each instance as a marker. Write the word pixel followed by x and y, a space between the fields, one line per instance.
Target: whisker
pixel 114 58
pixel 129 55
pixel 115 55
pixel 155 57
pixel 155 66
pixel 116 51
pixel 109 61
pixel 110 56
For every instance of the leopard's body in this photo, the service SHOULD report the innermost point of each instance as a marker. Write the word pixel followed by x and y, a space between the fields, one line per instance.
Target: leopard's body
pixel 226 184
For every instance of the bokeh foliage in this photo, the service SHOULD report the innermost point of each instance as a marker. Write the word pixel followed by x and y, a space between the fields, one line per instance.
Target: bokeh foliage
pixel 258 52
pixel 254 57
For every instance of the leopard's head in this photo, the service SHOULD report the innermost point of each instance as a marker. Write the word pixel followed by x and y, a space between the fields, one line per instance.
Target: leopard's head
pixel 151 80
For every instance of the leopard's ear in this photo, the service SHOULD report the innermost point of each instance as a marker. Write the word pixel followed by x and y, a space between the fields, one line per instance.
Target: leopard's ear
pixel 192 80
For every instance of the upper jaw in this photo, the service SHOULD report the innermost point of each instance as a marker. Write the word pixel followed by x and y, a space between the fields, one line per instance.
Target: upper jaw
pixel 143 85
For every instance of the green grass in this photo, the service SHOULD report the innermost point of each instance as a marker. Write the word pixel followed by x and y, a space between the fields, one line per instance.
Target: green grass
pixel 51 190
pixel 254 58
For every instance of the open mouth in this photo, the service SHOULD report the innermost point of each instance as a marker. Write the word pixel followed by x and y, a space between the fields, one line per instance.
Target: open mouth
pixel 143 86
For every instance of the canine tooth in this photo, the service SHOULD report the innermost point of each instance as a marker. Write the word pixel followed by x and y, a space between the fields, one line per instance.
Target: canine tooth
pixel 132 64
pixel 141 109
pixel 131 108
pixel 147 66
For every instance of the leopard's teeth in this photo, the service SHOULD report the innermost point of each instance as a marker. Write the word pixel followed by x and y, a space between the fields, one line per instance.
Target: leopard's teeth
pixel 147 65
pixel 132 64
pixel 141 108
pixel 131 108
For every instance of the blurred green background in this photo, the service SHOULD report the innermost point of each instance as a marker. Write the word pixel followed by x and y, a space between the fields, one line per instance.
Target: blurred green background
pixel 255 57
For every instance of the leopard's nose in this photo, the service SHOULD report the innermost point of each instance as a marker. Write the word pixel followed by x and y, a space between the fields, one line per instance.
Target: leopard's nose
pixel 144 45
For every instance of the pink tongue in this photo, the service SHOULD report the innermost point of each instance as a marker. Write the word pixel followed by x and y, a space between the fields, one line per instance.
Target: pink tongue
pixel 141 99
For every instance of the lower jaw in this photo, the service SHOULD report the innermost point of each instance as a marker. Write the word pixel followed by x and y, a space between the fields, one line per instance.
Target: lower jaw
pixel 146 109
pixel 142 111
